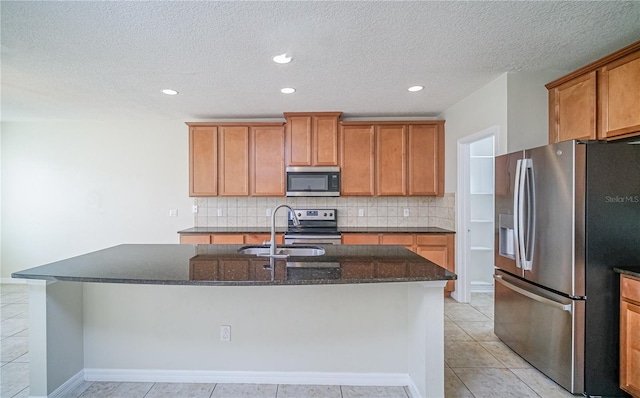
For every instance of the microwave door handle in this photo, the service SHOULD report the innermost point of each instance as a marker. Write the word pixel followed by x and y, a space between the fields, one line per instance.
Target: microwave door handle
pixel 528 238
pixel 516 212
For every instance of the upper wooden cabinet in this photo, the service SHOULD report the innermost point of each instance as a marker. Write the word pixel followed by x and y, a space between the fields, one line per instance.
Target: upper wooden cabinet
pixel 357 161
pixel 572 109
pixel 598 101
pixel 233 160
pixel 267 161
pixel 230 159
pixel 620 97
pixel 426 159
pixel 312 138
pixel 203 165
pixel 392 158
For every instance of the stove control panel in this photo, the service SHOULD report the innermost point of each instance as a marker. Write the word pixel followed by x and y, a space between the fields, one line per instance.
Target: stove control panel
pixel 316 214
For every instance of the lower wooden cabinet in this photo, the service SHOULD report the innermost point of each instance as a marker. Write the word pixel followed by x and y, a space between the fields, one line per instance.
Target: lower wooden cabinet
pixel 438 248
pixel 630 335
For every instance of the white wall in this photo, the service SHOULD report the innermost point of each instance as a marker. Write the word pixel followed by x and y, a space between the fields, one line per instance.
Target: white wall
pixel 516 102
pixel 527 109
pixel 327 328
pixel 73 187
pixel 484 108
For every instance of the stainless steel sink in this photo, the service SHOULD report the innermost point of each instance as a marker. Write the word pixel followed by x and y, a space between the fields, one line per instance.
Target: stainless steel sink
pixel 283 251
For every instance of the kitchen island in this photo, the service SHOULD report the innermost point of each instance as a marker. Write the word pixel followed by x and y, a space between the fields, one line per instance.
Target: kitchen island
pixel 360 315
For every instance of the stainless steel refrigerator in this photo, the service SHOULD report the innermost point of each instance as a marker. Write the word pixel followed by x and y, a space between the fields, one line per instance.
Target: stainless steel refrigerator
pixel 566 214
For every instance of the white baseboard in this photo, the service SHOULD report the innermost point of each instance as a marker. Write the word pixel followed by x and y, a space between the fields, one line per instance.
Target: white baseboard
pixel 12 281
pixel 205 376
pixel 481 287
pixel 67 386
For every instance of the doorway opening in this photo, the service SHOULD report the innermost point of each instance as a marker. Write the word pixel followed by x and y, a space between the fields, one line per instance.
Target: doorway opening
pixel 475 221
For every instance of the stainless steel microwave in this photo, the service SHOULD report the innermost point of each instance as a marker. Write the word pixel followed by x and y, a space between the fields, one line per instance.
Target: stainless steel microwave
pixel 313 181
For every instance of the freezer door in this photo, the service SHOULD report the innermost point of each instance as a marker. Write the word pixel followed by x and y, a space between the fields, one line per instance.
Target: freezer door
pixel 505 189
pixel 545 329
pixel 555 217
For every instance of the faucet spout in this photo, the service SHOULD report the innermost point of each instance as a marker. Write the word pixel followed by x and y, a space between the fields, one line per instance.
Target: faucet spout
pixel 273 246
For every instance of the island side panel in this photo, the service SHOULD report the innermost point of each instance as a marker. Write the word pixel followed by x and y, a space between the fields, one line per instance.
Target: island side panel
pixel 135 330
pixel 426 338
pixel 56 341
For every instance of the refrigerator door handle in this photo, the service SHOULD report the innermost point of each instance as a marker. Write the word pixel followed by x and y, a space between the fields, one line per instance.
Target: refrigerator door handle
pixel 533 296
pixel 516 212
pixel 527 235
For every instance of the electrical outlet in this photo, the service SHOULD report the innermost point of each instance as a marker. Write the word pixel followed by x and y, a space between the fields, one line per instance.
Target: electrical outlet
pixel 194 208
pixel 219 212
pixel 267 213
pixel 360 212
pixel 225 333
pixel 173 212
pixel 406 212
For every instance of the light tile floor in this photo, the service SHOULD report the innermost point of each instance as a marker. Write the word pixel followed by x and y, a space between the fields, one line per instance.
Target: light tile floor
pixel 477 364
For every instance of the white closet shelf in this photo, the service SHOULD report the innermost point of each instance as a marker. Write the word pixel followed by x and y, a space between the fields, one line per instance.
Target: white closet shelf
pixel 481 248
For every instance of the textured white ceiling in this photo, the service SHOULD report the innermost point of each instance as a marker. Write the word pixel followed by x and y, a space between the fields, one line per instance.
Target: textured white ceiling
pixel 109 60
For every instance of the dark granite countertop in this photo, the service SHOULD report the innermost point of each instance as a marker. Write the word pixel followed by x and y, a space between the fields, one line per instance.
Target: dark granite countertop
pixel 369 230
pixel 177 264
pixel 632 270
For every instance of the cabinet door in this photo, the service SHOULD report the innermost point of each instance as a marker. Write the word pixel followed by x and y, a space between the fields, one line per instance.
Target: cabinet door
pixel 203 167
pixel 357 160
pixel 391 160
pixel 440 249
pixel 298 141
pixel 620 97
pixel 233 161
pixel 426 160
pixel 630 347
pixel 325 140
pixel 406 240
pixel 267 161
pixel 360 239
pixel 572 109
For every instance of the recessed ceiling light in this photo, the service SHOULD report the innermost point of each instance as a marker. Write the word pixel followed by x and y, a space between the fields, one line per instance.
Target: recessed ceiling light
pixel 282 59
pixel 415 88
pixel 169 91
pixel 288 90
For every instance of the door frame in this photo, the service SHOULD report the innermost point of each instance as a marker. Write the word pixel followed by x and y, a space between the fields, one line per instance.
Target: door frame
pixel 462 291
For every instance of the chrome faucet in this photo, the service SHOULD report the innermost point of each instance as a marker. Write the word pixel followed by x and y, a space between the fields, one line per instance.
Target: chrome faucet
pixel 272 249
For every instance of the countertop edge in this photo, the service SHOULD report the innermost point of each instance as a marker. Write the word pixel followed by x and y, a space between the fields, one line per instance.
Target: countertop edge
pixel 626 271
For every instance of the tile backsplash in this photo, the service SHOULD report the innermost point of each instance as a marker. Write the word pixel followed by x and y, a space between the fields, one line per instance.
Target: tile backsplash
pixel 424 211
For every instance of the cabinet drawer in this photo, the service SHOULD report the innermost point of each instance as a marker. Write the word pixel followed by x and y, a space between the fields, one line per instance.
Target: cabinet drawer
pixel 432 239
pixel 630 288
pixel 398 239
pixel 195 239
pixel 360 239
pixel 227 239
